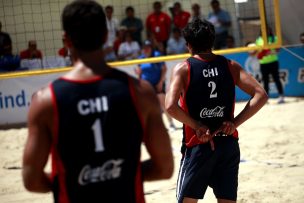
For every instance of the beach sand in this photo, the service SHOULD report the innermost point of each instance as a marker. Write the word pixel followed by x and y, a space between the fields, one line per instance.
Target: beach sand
pixel 271 168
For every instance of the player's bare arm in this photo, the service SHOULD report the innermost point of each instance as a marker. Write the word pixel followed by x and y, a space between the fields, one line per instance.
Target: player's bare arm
pixel 249 85
pixel 156 138
pixel 38 143
pixel 177 88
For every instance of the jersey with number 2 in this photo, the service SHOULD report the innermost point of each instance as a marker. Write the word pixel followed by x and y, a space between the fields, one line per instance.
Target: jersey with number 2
pixel 209 96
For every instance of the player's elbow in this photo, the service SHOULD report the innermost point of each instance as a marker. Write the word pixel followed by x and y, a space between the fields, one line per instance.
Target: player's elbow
pixel 263 96
pixel 34 181
pixel 170 108
pixel 29 183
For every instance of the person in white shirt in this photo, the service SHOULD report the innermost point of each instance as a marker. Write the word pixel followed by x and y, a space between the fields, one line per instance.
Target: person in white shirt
pixel 176 44
pixel 129 49
pixel 252 64
pixel 112 26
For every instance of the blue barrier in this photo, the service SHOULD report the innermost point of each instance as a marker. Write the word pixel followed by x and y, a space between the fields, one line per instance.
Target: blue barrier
pixel 291 72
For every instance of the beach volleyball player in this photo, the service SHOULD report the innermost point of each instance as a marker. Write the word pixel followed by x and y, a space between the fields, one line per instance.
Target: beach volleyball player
pixel 93 121
pixel 202 96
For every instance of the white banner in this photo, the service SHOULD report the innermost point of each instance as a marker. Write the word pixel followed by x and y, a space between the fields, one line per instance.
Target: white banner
pixel 15 96
pixel 16 93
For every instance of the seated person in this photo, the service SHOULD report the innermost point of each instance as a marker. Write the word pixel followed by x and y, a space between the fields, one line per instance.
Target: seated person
pixel 8 61
pixel 119 38
pixel 176 44
pixel 109 52
pixel 64 51
pixel 31 52
pixel 129 49
pixel 5 40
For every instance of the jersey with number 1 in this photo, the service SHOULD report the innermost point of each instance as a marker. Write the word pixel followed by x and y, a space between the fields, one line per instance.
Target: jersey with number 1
pixel 96 146
pixel 209 96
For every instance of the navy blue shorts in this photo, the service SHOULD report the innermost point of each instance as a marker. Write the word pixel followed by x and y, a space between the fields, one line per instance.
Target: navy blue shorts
pixel 201 167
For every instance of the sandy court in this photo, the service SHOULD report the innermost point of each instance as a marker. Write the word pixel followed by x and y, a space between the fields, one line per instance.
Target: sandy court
pixel 272 167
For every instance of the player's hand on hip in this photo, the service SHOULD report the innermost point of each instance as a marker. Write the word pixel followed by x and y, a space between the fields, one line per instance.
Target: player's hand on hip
pixel 227 128
pixel 202 133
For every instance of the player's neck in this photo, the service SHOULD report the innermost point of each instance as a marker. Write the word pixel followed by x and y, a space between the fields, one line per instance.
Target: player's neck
pixel 207 55
pixel 91 60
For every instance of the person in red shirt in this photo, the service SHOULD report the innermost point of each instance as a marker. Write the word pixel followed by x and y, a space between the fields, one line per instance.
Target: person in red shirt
pixel 64 51
pixel 158 24
pixel 181 17
pixel 31 52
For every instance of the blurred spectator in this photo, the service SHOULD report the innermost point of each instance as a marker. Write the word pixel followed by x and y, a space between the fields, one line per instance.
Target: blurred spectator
pixel 269 63
pixel 176 44
pixel 230 43
pixel 133 24
pixel 119 38
pixel 109 52
pixel 221 21
pixel 5 42
pixel 158 25
pixel 112 25
pixel 196 12
pixel 180 17
pixel 158 46
pixel 252 64
pixel 64 51
pixel 302 38
pixel 155 74
pixel 31 52
pixel 8 61
pixel 129 49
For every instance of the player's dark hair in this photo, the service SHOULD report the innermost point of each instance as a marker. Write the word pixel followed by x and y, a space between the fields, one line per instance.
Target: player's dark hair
pixel 85 24
pixel 200 35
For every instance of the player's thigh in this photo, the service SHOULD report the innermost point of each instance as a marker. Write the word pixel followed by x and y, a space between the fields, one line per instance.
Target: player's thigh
pixel 197 173
pixel 225 178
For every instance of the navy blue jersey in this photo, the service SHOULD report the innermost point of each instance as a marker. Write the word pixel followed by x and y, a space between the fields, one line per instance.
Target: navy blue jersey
pixel 210 94
pixel 96 148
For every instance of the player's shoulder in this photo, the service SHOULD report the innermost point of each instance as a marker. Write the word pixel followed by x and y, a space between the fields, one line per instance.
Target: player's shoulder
pixel 41 103
pixel 43 95
pixel 181 68
pixel 234 65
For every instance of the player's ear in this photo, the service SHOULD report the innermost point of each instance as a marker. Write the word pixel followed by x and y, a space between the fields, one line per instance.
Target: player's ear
pixel 189 47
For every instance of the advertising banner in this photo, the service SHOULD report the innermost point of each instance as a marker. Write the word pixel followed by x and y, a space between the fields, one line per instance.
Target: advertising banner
pixel 16 93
